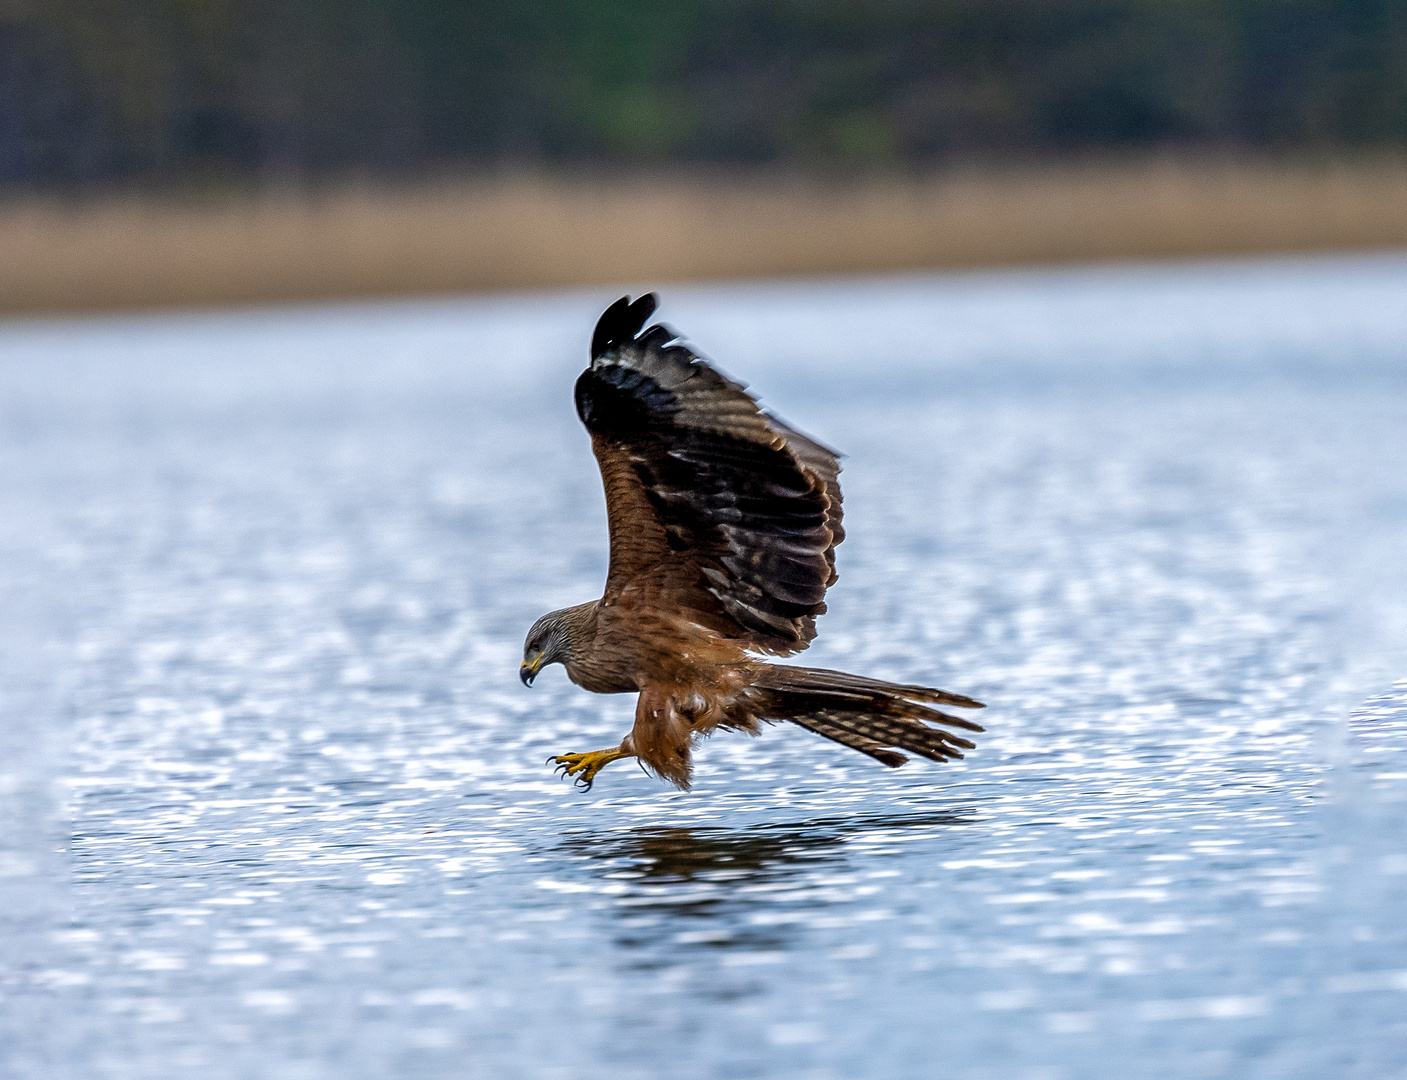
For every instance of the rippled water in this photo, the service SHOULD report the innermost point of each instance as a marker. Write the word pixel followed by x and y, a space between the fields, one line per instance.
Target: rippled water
pixel 265 582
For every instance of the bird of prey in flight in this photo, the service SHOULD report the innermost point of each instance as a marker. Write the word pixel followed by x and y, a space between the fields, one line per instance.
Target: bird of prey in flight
pixel 723 528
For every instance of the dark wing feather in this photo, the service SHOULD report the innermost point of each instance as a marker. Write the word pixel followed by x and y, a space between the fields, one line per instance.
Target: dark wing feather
pixel 750 509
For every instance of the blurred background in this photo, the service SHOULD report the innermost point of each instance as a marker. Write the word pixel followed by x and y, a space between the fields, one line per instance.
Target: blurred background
pixel 273 802
pixel 160 152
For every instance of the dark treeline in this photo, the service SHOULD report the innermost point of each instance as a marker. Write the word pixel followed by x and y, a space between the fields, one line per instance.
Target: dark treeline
pixel 161 91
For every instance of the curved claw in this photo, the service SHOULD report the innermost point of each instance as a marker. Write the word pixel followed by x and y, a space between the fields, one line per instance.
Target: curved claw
pixel 565 763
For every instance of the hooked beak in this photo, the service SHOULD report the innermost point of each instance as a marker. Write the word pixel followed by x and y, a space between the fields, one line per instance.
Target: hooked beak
pixel 528 671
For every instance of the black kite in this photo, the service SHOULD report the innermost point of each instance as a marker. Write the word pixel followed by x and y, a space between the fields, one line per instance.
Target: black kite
pixel 724 523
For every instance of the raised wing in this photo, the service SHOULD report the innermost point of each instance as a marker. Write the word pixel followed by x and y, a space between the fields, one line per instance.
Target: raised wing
pixel 733 511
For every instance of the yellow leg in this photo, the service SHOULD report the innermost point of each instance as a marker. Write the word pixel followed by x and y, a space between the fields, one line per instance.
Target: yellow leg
pixel 584 767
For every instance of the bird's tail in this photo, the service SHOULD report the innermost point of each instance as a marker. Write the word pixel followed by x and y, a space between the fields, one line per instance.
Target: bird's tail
pixel 865 714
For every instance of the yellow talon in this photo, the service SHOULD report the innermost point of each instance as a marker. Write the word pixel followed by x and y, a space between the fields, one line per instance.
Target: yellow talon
pixel 584 767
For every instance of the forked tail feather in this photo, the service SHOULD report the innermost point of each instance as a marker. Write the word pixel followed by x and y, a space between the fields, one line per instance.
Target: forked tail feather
pixel 867 715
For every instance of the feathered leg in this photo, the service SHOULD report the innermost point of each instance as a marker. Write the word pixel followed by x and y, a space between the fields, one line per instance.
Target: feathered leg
pixel 663 733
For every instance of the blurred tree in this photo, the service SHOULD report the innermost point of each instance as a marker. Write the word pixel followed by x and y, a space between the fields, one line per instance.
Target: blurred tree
pixel 176 91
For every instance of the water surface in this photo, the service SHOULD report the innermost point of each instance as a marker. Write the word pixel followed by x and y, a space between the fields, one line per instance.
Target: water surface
pixel 267 577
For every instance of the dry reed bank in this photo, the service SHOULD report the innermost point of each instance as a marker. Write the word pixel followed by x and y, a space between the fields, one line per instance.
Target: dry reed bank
pixel 525 232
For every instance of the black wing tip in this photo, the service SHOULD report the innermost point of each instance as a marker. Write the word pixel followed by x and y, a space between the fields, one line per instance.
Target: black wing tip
pixel 620 322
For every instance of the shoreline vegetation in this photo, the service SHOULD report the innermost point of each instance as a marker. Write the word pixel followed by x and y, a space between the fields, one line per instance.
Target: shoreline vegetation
pixel 525 231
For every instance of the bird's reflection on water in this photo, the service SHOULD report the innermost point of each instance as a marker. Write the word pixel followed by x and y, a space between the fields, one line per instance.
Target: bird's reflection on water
pixel 766 853
pixel 753 888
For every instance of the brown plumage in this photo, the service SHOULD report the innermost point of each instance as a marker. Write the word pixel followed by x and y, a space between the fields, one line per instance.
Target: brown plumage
pixel 723 524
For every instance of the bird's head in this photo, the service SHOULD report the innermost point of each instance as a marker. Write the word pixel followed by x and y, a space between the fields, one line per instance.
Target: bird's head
pixel 548 643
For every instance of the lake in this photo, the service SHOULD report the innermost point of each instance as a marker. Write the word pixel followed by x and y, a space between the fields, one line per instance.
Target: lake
pixel 276 803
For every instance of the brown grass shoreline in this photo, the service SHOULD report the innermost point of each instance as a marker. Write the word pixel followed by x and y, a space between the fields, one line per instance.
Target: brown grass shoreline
pixel 536 231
